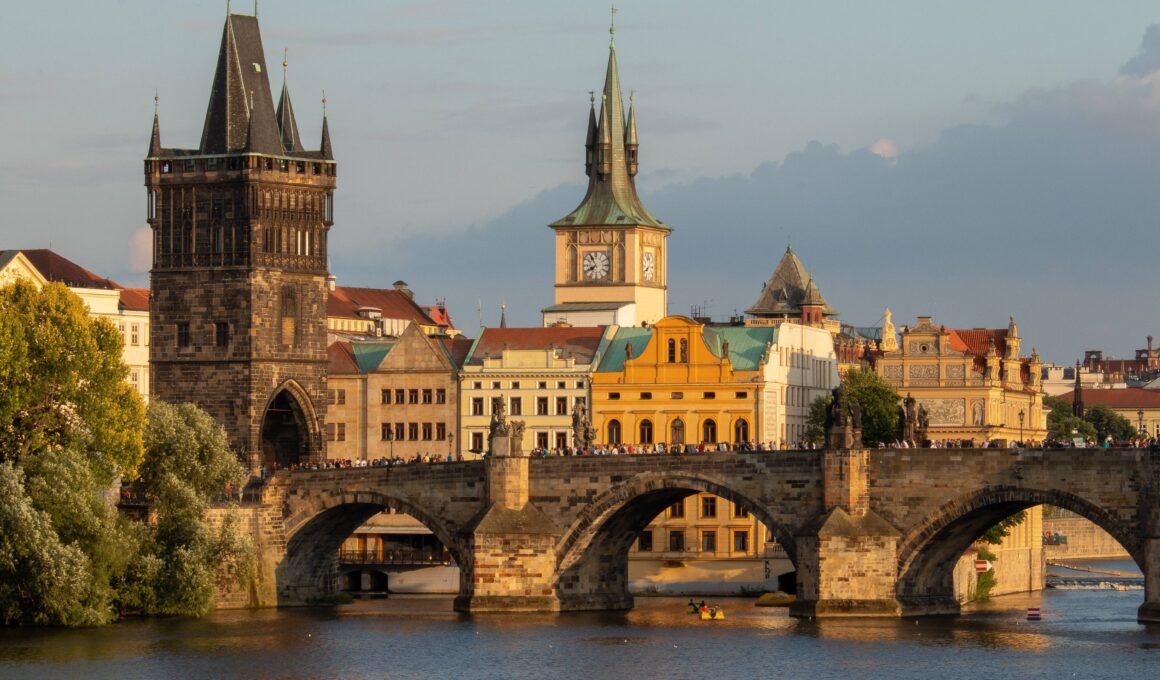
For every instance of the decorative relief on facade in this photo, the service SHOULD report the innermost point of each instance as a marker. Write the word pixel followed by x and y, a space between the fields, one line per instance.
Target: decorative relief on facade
pixel 924 371
pixel 921 347
pixel 892 372
pixel 956 371
pixel 977 412
pixel 945 411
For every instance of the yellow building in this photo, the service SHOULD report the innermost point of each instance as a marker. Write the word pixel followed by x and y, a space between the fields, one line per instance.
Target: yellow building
pixel 973 384
pixel 539 374
pixel 1139 406
pixel 611 259
pixel 393 398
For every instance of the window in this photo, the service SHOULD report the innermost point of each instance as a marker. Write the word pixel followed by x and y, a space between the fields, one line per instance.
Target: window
pixel 400 431
pixel 221 332
pixel 562 440
pixel 741 395
pixel 614 395
pixel 676 541
pixel 644 542
pixel 677 395
pixel 709 395
pixel 561 385
pixel 672 351
pixel 385 432
pixel 412 432
pixel 709 541
pixel 677 509
pixel 646 432
pixel 684 351
pixel 477 385
pixel 338 397
pixel 515 385
pixel 183 334
pixel 541 406
pixel 561 406
pixel 412 396
pixel 135 338
pixel 740 512
pixel 709 431
pixel 542 385
pixel 741 541
pixel 428 397
pixel 741 430
pixel 477 441
pixel 477 406
pixel 646 395
pixel 427 432
pixel 289 316
pixel 496 404
pixel 579 384
pixel 517 406
pixel 386 396
pixel 399 397
pixel 440 396
pixel 340 433
pixel 441 431
pixel 708 507
pixel 542 440
pixel 614 431
pixel 134 378
pixel 495 385
pixel 330 432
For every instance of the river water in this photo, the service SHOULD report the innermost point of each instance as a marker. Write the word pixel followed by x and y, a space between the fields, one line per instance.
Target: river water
pixel 1083 634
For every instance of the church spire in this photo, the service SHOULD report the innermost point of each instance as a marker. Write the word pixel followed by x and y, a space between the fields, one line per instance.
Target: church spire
pixel 325 148
pixel 590 140
pixel 155 140
pixel 241 105
pixel 287 125
pixel 611 198
pixel 630 143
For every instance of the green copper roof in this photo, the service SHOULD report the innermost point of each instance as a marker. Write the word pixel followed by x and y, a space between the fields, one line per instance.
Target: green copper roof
pixel 746 345
pixel 614 356
pixel 611 199
pixel 368 355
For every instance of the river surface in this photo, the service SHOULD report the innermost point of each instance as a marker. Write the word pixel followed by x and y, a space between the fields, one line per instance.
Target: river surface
pixel 1083 634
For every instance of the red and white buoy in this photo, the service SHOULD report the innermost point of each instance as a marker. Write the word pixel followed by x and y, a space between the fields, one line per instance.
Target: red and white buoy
pixel 1033 614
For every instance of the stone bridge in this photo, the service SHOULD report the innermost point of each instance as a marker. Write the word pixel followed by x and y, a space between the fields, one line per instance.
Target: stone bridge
pixel 871 532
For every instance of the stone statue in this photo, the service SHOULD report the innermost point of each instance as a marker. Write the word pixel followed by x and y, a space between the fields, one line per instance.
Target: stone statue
pixel 497 435
pixel 922 426
pixel 583 433
pixel 725 350
pixel 516 437
pixel 627 351
pixel 843 421
pixel 499 418
pixel 908 420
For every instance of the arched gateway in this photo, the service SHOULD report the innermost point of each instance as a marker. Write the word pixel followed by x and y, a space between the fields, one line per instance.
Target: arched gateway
pixel 289 433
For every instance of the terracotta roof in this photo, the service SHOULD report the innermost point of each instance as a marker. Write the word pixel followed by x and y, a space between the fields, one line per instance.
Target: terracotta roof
pixel 977 340
pixel 340 359
pixel 439 315
pixel 456 347
pixel 345 301
pixel 135 299
pixel 1126 398
pixel 581 343
pixel 54 267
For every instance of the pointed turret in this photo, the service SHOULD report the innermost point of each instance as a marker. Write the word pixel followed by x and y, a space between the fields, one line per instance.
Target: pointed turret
pixel 590 140
pixel 630 143
pixel 325 148
pixel 287 125
pixel 611 199
pixel 788 291
pixel 234 114
pixel 155 140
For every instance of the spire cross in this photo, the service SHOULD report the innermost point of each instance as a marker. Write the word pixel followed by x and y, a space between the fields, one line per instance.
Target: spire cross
pixel 324 103
pixel 592 97
pixel 156 101
pixel 612 29
pixel 285 60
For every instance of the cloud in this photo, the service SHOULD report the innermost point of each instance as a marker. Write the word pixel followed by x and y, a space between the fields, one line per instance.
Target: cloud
pixel 1049 215
pixel 1147 60
pixel 141 250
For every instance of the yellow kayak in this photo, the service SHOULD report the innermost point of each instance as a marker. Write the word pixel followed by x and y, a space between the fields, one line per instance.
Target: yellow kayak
pixel 713 615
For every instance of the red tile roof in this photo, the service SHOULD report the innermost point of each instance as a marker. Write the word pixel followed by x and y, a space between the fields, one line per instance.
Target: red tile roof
pixel 1125 398
pixel 135 299
pixel 340 358
pixel 440 316
pixel 345 301
pixel 581 343
pixel 457 347
pixel 978 340
pixel 54 267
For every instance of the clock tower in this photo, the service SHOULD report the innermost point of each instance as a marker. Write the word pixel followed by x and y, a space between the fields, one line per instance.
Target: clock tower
pixel 610 251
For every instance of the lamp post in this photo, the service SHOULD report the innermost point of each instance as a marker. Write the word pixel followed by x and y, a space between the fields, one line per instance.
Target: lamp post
pixel 391 439
pixel 450 444
pixel 1140 431
pixel 1022 415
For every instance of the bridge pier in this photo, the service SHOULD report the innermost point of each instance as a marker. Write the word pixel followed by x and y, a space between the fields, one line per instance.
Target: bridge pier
pixel 509 548
pixel 1149 612
pixel 847 559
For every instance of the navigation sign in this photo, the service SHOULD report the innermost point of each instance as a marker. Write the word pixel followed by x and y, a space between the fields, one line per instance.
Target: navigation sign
pixel 982 566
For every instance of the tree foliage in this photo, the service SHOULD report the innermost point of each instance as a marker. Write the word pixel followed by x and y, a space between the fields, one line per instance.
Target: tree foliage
pixel 877 400
pixel 64 382
pixel 1061 424
pixel 1107 423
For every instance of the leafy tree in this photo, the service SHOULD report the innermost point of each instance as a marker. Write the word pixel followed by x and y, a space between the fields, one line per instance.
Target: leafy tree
pixel 1108 423
pixel 877 400
pixel 188 464
pixel 64 382
pixel 1061 423
pixel 997 533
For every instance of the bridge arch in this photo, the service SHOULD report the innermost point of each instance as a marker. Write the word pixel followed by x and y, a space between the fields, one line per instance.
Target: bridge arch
pixel 928 552
pixel 289 431
pixel 316 530
pixel 592 555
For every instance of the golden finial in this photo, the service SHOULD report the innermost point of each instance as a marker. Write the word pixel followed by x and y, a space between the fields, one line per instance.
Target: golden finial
pixel 285 60
pixel 592 97
pixel 324 103
pixel 612 29
pixel 631 96
pixel 156 101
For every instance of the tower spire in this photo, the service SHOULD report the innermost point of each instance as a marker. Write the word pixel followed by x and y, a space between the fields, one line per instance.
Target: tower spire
pixel 287 124
pixel 155 140
pixel 324 148
pixel 240 97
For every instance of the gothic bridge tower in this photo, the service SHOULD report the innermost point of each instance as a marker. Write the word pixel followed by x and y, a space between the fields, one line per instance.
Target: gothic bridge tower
pixel 611 257
pixel 238 297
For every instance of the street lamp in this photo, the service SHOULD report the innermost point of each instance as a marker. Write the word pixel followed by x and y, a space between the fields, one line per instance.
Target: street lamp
pixel 450 444
pixel 391 439
pixel 1021 416
pixel 1140 415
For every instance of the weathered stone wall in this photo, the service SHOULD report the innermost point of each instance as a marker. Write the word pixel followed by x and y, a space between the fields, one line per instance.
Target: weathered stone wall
pixel 1084 539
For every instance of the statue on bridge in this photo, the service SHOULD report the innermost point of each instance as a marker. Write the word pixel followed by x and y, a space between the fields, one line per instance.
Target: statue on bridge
pixel 583 434
pixel 912 422
pixel 843 421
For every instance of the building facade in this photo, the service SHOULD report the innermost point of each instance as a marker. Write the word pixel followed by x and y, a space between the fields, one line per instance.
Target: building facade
pixel 1139 406
pixel 611 253
pixel 238 292
pixel 538 374
pixel 973 383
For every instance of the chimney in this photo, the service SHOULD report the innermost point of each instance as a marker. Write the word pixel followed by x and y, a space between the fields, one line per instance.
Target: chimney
pixel 401 286
pixel 1151 356
pixel 331 281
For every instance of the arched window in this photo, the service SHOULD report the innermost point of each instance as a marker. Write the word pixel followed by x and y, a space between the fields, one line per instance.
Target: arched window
pixel 614 431
pixel 684 351
pixel 289 316
pixel 709 431
pixel 677 435
pixel 672 351
pixel 741 431
pixel 646 432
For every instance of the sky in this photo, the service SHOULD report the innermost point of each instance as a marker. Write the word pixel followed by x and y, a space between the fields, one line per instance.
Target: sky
pixel 967 160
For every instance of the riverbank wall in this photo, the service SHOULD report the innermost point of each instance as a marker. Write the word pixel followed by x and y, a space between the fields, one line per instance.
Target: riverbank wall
pixel 1083 540
pixel 1019 564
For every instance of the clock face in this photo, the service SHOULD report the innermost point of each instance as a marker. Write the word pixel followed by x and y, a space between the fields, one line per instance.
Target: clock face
pixel 648 266
pixel 596 266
